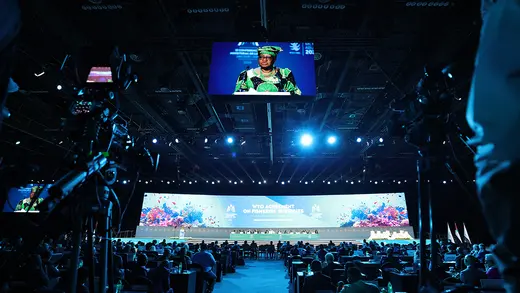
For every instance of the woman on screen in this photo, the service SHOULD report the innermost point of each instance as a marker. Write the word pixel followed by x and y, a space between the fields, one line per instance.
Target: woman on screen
pixel 267 77
pixel 25 204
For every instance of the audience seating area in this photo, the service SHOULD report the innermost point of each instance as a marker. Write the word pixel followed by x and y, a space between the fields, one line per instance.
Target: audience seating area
pixel 161 267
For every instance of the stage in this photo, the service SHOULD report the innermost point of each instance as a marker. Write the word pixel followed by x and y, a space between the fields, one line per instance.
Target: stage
pixel 324 235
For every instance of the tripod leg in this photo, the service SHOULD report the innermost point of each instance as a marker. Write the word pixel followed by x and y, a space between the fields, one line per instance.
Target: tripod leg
pixel 422 213
pixel 91 263
pixel 74 263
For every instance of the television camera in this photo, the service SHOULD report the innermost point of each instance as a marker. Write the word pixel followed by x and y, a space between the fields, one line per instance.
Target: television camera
pixel 424 117
pixel 82 200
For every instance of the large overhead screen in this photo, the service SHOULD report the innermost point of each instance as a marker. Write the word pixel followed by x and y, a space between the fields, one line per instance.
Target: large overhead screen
pixel 26 199
pixel 353 210
pixel 262 69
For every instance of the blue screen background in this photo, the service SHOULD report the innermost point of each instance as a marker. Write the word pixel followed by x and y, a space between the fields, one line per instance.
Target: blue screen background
pixel 17 194
pixel 353 210
pixel 227 63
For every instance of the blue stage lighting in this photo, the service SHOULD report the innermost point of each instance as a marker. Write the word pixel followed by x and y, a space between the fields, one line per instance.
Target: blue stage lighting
pixel 154 140
pixel 230 140
pixel 358 139
pixel 306 140
pixel 331 139
pixel 381 140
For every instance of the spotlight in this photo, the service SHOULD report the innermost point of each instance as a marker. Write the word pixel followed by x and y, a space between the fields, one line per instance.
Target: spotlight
pixel 124 182
pixel 154 140
pixel 358 139
pixel 331 140
pixel 59 87
pixel 381 139
pixel 17 143
pixel 306 140
pixel 177 140
pixel 306 182
pixel 283 183
pixel 265 181
pixel 230 140
pixel 206 140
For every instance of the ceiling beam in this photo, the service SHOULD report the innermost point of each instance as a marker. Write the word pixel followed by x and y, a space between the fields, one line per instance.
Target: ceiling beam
pixel 192 72
pixel 361 31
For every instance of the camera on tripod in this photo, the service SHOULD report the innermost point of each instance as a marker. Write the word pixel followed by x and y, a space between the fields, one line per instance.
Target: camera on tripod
pixel 423 116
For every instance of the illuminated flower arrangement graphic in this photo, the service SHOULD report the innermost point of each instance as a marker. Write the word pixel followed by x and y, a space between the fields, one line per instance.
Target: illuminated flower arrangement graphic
pixel 177 216
pixel 379 215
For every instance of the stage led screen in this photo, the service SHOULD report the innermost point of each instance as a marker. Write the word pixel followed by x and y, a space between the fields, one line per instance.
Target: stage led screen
pixel 256 68
pixel 20 198
pixel 353 210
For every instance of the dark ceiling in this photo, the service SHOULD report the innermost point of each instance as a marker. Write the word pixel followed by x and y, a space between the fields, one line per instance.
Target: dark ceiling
pixel 367 54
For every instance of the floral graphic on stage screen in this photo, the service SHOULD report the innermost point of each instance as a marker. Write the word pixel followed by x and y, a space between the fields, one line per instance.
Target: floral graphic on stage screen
pixel 169 213
pixel 381 213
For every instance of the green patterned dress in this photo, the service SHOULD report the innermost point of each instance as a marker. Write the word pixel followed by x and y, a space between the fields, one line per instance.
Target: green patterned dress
pixel 254 80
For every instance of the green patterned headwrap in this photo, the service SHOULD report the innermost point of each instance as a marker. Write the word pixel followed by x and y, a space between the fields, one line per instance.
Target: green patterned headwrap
pixel 269 50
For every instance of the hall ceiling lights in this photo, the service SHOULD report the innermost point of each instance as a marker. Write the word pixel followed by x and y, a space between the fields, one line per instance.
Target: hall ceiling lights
pixel 428 4
pixel 323 6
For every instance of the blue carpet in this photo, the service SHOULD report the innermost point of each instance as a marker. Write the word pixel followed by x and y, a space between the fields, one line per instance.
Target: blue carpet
pixel 256 277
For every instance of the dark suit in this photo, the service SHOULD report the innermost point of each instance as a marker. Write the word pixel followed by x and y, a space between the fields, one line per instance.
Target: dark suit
pixel 329 268
pixel 317 281
pixel 472 276
pixel 459 262
pixel 160 278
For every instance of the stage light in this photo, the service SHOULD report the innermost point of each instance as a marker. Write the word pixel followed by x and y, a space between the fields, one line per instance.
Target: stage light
pixel 289 181
pixel 306 140
pixel 443 182
pixel 352 182
pixel 235 182
pixel 398 182
pixel 17 143
pixel 207 181
pixel 124 181
pixel 375 182
pixel 306 182
pixel 59 87
pixel 230 140
pixel 177 140
pixel 167 182
pixel 359 139
pixel 218 181
pixel 206 140
pixel 328 182
pixel 283 183
pixel 265 181
pixel 146 182
pixel 381 140
pixel 331 139
pixel 154 140
pixel 229 181
pixel 335 181
pixel 241 181
pixel 189 182
pixel 212 182
pixel 259 182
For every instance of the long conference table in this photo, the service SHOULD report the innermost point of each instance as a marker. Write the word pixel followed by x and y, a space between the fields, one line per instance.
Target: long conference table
pixel 273 237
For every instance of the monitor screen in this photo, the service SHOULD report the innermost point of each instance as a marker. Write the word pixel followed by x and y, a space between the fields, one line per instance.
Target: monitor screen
pixel 348 210
pixel 100 75
pixel 20 198
pixel 255 68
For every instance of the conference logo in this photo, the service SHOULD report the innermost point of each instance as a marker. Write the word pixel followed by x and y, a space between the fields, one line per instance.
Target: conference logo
pixel 230 208
pixel 316 212
pixel 295 47
pixel 231 212
pixel 255 44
